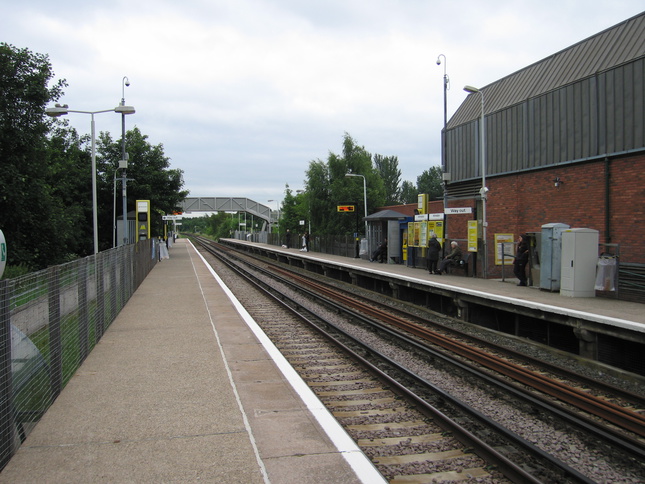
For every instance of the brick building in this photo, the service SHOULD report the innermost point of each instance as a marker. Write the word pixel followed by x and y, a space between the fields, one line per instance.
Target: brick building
pixel 564 143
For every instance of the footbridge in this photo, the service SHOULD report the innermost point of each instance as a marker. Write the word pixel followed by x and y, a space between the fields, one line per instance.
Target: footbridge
pixel 226 204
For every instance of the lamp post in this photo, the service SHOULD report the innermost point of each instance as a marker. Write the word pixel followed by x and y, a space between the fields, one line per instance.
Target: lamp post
pixel 277 209
pixel 124 164
pixel 444 167
pixel 483 191
pixel 364 196
pixel 61 110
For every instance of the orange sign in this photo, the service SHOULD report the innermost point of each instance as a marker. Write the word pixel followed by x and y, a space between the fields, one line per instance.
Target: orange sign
pixel 345 208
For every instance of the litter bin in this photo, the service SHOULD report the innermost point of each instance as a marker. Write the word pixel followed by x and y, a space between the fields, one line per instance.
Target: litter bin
pixel 606 273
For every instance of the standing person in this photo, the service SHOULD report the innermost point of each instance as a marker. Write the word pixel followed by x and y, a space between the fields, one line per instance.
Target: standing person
pixel 288 239
pixel 454 256
pixel 306 239
pixel 521 259
pixel 434 247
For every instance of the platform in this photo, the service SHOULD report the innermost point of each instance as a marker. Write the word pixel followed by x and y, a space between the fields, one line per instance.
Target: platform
pixel 606 330
pixel 183 387
pixel 630 315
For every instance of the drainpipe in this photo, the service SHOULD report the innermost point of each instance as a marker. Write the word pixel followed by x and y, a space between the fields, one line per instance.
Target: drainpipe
pixel 607 201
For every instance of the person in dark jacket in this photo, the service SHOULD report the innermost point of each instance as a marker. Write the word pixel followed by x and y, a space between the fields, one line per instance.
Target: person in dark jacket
pixel 380 254
pixel 521 259
pixel 454 256
pixel 434 247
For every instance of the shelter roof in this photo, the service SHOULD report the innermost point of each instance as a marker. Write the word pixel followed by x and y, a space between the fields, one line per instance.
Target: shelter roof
pixel 385 215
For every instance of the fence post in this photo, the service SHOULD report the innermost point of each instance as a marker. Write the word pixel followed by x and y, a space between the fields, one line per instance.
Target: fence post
pixel 113 286
pixel 6 385
pixel 55 344
pixel 100 295
pixel 83 312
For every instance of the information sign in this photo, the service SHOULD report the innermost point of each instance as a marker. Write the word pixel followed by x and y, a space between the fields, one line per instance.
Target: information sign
pixel 473 229
pixel 504 244
pixel 345 208
pixel 458 210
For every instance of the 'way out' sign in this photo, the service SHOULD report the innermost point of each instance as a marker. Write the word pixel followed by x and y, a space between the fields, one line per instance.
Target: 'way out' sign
pixel 458 210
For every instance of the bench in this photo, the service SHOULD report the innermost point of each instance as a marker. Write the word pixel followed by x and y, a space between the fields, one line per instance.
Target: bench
pixel 460 264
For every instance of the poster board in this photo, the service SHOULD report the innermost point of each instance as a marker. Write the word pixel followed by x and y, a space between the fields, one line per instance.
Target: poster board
pixel 504 242
pixel 473 232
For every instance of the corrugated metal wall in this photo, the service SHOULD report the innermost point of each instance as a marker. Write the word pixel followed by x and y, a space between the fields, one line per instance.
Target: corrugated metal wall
pixel 596 116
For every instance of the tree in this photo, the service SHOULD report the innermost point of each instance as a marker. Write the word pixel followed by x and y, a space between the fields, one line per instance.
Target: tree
pixel 71 183
pixel 294 210
pixel 318 192
pixel 409 193
pixel 34 223
pixel 152 179
pixel 388 168
pixel 430 182
pixel 327 187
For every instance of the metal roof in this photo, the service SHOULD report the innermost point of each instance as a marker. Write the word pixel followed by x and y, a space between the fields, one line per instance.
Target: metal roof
pixel 617 45
pixel 385 215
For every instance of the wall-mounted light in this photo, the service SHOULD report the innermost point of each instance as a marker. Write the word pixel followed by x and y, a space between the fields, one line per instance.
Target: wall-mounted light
pixel 557 182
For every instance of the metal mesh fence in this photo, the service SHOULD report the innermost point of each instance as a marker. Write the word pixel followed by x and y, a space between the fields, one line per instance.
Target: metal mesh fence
pixel 49 322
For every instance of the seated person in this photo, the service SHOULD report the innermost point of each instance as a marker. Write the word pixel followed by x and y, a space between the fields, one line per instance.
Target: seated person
pixel 453 257
pixel 380 254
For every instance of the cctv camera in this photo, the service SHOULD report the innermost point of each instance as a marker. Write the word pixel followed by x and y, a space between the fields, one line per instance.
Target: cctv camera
pixel 127 83
pixel 438 62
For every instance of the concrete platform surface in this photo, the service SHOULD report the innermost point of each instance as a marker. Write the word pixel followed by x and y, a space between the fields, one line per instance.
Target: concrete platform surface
pixel 183 388
pixel 604 310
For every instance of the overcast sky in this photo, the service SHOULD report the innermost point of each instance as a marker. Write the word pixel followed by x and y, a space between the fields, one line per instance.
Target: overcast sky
pixel 243 94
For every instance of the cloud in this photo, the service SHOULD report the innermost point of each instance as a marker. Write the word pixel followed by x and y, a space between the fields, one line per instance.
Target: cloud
pixel 244 94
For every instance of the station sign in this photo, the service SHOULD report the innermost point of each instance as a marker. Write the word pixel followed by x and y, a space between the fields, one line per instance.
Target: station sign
pixel 458 210
pixel 420 217
pixel 171 217
pixel 345 208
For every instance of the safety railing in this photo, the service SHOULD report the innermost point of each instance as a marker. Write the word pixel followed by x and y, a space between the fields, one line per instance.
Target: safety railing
pixel 49 322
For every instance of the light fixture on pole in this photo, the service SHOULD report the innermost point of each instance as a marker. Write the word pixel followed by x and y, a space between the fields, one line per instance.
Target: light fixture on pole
pixel 61 110
pixel 277 209
pixel 444 167
pixel 364 196
pixel 123 164
pixel 484 190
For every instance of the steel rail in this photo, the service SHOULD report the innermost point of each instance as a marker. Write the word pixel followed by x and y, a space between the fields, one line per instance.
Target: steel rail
pixel 515 473
pixel 625 418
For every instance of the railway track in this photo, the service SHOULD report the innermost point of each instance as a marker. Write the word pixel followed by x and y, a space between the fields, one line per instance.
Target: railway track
pixel 393 421
pixel 624 416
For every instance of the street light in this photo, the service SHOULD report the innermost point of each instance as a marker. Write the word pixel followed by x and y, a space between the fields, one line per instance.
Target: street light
pixel 444 166
pixel 124 163
pixel 277 209
pixel 364 196
pixel 483 191
pixel 61 110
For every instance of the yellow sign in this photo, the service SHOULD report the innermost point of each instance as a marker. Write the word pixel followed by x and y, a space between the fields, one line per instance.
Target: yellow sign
pixel 422 202
pixel 504 245
pixel 345 208
pixel 142 216
pixel 473 227
pixel 423 234
pixel 437 229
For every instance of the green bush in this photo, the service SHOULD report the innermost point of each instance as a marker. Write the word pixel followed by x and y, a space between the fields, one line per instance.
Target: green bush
pixel 11 272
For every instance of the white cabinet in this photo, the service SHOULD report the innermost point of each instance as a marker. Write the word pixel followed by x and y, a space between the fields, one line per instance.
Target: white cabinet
pixel 579 260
